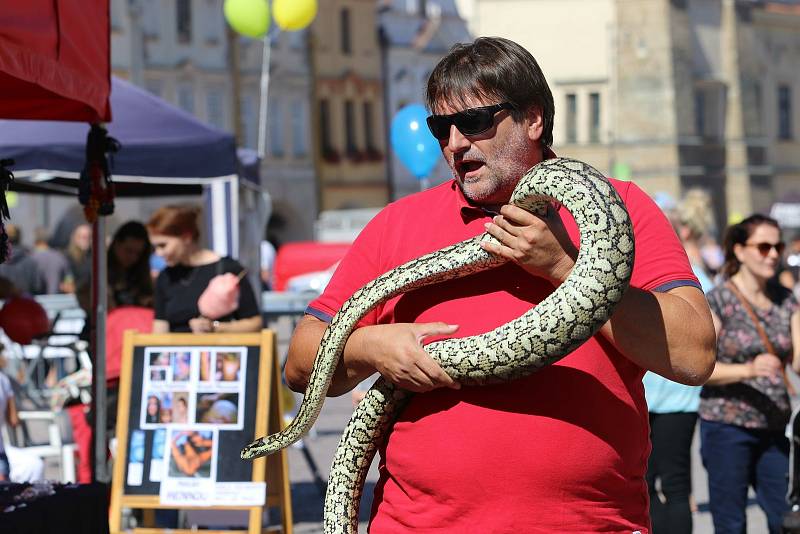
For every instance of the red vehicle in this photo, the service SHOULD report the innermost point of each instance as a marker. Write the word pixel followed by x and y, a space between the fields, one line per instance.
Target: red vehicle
pixel 305 257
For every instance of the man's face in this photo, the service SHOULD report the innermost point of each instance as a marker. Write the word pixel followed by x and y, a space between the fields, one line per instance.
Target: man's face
pixel 488 166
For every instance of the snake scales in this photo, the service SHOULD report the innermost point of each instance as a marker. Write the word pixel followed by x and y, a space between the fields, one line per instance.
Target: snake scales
pixel 549 331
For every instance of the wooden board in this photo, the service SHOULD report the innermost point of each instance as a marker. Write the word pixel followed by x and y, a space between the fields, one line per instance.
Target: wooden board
pixel 229 404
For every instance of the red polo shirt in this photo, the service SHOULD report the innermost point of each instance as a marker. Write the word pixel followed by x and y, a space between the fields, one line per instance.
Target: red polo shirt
pixel 564 450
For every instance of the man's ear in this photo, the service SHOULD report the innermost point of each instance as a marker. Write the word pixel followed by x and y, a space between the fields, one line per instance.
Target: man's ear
pixel 535 122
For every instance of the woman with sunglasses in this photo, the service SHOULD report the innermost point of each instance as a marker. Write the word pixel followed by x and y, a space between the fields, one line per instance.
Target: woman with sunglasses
pixel 744 406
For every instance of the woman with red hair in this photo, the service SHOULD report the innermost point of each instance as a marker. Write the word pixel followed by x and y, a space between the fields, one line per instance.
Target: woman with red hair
pixel 174 233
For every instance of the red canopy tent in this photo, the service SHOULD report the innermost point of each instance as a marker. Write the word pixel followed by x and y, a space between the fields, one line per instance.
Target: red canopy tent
pixel 55 65
pixel 54 60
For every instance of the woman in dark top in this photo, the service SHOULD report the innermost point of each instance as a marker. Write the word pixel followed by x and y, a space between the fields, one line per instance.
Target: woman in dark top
pixel 744 406
pixel 174 231
pixel 129 281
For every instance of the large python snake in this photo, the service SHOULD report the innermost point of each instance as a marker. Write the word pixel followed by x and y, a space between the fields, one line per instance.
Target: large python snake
pixel 549 331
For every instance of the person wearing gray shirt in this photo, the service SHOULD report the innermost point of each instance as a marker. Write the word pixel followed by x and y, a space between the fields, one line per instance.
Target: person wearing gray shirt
pixel 52 264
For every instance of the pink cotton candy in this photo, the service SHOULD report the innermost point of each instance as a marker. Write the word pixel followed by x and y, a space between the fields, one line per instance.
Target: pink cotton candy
pixel 221 297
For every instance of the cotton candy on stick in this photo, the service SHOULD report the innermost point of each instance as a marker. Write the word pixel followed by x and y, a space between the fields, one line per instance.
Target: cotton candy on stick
pixel 221 297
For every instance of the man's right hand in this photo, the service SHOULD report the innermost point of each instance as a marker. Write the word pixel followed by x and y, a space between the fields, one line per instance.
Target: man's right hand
pixel 395 351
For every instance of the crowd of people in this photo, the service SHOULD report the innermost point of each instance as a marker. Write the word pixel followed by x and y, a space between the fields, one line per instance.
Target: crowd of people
pixel 45 269
pixel 162 300
pixel 750 281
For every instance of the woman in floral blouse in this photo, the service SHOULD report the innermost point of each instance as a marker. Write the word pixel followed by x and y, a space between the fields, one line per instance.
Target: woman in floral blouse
pixel 744 406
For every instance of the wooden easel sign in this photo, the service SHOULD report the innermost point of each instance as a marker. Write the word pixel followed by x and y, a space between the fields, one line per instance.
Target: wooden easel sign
pixel 187 405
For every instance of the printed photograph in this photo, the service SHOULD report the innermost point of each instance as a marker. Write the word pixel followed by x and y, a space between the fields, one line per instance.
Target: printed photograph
pixel 160 358
pixel 217 408
pixel 157 452
pixel 228 366
pixel 158 374
pixel 136 454
pixel 205 366
pixel 159 442
pixel 136 459
pixel 192 453
pixel 181 366
pixel 157 408
pixel 180 407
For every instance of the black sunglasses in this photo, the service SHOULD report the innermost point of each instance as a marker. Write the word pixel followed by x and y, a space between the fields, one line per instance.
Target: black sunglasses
pixel 472 121
pixel 765 248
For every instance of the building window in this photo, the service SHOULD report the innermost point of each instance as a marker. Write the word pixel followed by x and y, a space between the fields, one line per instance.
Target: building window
pixel 184 20
pixel 151 20
pixel 186 97
pixel 700 113
pixel 594 117
pixel 350 128
pixel 215 107
pixel 213 25
pixel 572 118
pixel 784 112
pixel 369 132
pixel 344 19
pixel 299 146
pixel 325 130
pixel 116 16
pixel 758 105
pixel 275 127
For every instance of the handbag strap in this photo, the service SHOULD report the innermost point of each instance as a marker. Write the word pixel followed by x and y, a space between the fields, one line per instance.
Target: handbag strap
pixel 760 329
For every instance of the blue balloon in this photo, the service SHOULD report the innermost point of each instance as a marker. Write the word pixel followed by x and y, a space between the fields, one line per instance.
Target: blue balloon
pixel 413 142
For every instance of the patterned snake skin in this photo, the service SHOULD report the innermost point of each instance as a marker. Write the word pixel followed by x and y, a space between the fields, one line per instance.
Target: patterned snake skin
pixel 548 332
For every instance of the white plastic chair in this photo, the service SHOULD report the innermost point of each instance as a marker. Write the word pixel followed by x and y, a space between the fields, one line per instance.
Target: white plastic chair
pixel 54 448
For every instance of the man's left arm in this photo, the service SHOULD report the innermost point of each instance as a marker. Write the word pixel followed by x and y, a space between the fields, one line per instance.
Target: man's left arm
pixel 669 333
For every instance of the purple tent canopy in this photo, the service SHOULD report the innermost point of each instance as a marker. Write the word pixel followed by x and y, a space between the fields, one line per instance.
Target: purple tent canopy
pixel 158 141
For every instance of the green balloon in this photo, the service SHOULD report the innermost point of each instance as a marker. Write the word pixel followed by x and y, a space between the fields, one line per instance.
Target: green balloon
pixel 248 17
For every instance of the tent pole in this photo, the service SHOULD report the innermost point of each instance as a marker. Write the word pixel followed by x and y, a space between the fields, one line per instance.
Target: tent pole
pixel 98 351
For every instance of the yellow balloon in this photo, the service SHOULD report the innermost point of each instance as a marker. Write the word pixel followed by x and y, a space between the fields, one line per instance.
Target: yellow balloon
pixel 735 218
pixel 293 15
pixel 12 199
pixel 247 17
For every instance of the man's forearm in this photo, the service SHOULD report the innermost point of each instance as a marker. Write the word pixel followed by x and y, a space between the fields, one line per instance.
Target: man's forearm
pixel 303 350
pixel 671 333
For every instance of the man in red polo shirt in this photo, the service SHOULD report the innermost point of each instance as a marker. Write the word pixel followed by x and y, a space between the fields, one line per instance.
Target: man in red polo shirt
pixel 564 450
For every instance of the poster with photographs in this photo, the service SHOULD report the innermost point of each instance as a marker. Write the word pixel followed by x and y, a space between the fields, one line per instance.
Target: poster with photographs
pixel 201 388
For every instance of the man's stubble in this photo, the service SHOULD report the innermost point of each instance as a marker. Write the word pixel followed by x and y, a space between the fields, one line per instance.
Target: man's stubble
pixel 501 172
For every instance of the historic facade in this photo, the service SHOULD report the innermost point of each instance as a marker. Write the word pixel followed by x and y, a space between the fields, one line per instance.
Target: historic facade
pixel 414 37
pixel 347 106
pixel 182 52
pixel 673 94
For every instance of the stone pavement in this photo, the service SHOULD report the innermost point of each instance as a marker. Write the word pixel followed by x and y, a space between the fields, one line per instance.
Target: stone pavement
pixel 307 499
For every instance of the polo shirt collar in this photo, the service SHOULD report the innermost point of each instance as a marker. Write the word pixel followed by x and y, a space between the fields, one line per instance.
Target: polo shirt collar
pixel 470 212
